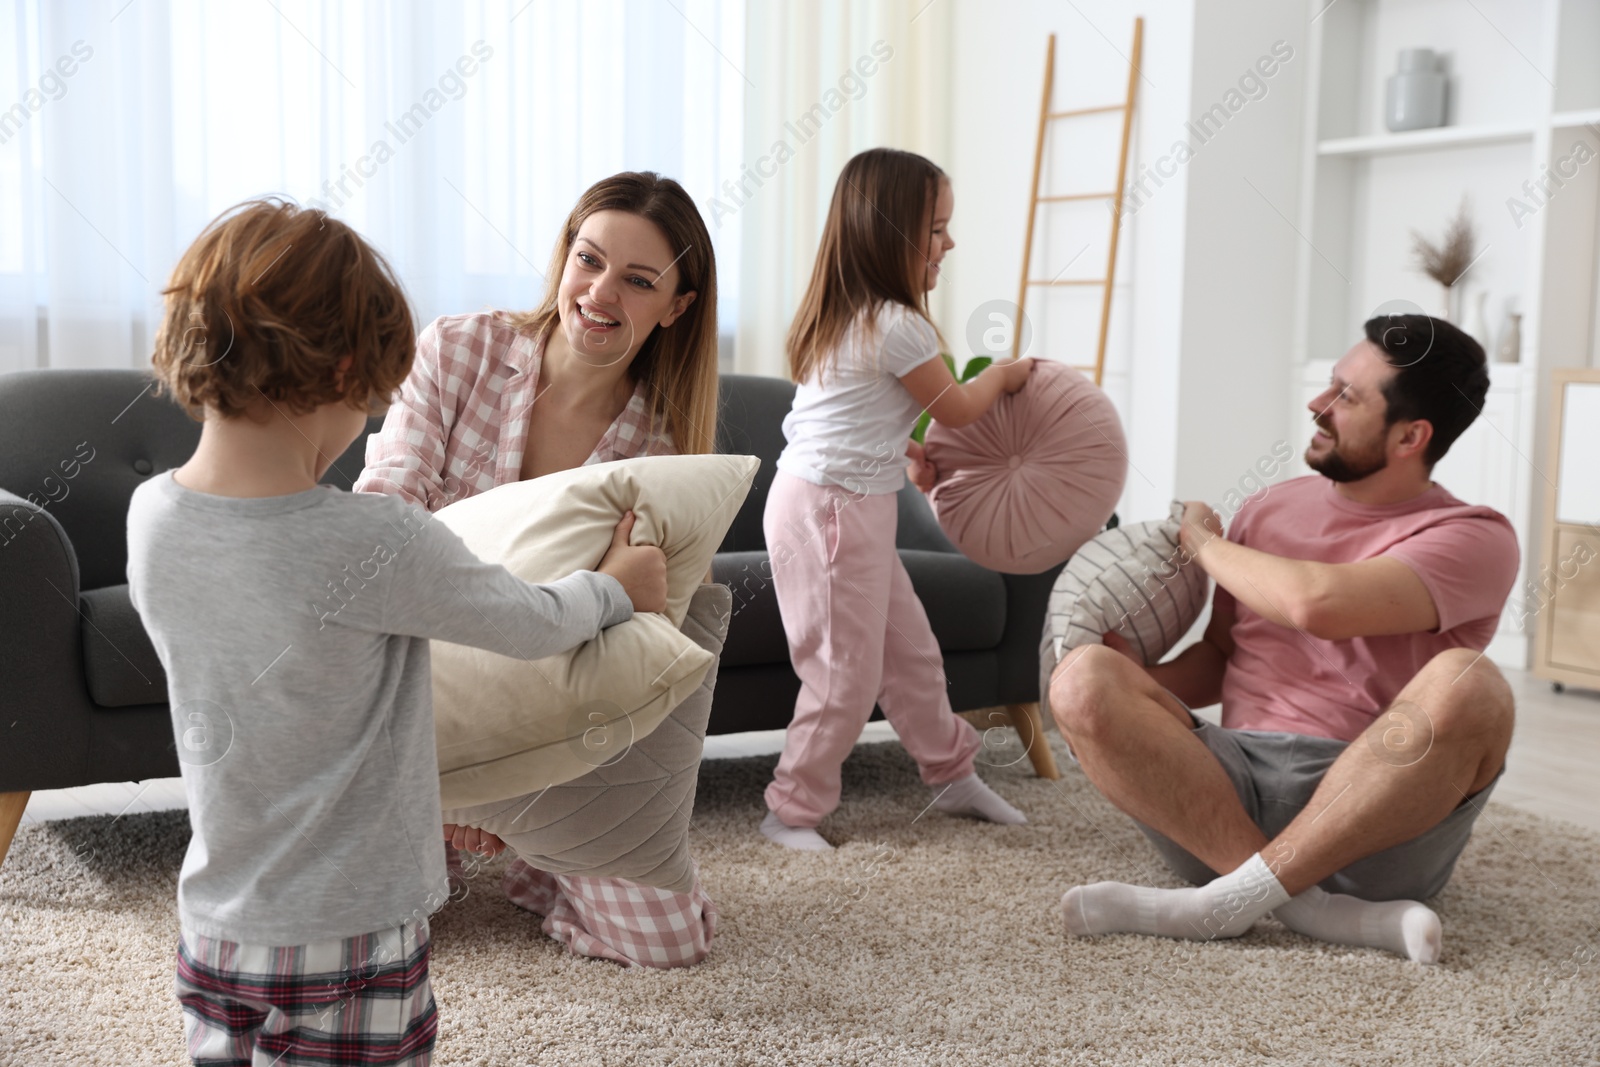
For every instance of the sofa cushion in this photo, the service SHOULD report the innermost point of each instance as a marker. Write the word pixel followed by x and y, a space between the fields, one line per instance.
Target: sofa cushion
pixel 966 604
pixel 119 661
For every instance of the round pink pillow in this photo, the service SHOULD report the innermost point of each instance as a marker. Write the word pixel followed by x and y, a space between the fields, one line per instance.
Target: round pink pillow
pixel 1024 487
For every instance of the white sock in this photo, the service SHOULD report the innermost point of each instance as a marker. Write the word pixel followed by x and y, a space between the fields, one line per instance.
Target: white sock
pixel 1225 907
pixel 799 838
pixel 969 796
pixel 1403 927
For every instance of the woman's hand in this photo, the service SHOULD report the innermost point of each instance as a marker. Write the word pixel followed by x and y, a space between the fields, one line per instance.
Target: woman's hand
pixel 923 474
pixel 472 839
pixel 641 569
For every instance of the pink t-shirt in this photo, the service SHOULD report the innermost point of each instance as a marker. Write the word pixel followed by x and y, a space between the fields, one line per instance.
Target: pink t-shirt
pixel 1284 680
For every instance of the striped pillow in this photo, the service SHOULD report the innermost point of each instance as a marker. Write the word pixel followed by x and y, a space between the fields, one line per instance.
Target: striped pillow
pixel 1127 579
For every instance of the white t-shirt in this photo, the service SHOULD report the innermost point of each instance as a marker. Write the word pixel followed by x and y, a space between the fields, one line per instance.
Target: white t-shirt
pixel 850 428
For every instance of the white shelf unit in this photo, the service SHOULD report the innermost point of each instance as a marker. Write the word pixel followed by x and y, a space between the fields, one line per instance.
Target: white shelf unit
pixel 1420 140
pixel 1524 90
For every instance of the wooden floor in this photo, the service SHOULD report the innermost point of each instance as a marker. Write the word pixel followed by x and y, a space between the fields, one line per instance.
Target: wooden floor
pixel 1554 765
pixel 1553 768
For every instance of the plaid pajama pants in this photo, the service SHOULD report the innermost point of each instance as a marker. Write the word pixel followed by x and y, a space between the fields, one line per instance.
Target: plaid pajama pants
pixel 610 918
pixel 615 919
pixel 353 1000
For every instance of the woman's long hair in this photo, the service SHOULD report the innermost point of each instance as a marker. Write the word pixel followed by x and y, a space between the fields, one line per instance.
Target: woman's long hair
pixel 677 363
pixel 869 252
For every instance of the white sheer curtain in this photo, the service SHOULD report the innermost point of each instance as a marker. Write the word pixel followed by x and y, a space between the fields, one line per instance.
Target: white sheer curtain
pixel 454 136
pixel 828 79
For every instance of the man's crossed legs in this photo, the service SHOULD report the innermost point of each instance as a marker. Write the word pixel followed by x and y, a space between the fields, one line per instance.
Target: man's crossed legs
pixel 1440 743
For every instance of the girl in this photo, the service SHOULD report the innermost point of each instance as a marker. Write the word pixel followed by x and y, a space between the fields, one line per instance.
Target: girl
pixel 866 357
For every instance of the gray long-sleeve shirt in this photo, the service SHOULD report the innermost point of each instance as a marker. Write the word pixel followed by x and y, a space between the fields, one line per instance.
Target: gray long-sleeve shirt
pixel 294 633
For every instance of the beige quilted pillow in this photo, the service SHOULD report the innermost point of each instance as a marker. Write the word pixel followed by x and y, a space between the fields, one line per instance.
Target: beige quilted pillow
pixel 629 816
pixel 506 727
pixel 1127 579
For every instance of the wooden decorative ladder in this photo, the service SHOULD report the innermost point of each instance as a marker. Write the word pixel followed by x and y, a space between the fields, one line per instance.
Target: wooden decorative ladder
pixel 1046 116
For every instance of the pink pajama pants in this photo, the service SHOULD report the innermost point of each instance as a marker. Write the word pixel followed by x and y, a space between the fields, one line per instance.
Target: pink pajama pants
pixel 857 635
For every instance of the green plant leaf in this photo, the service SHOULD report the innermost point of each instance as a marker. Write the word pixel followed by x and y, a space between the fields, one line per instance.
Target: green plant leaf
pixel 921 429
pixel 975 366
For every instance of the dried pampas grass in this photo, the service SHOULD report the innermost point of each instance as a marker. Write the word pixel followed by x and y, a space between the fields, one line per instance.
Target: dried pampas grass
pixel 1447 261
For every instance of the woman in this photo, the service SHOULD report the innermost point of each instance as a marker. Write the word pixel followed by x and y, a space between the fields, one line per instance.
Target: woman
pixel 618 360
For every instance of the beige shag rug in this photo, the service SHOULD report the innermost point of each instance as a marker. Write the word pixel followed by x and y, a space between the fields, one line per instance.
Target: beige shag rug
pixel 922 940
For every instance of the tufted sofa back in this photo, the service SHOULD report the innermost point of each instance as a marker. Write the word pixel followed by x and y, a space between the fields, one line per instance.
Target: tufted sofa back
pixel 750 422
pixel 79 442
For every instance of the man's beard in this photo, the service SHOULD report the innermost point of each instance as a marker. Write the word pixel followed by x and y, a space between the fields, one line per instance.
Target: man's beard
pixel 1346 465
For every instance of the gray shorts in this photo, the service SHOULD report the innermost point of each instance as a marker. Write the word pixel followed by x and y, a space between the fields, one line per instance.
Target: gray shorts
pixel 1275 775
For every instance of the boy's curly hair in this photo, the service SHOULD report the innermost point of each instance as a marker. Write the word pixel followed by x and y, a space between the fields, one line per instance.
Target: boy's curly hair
pixel 267 302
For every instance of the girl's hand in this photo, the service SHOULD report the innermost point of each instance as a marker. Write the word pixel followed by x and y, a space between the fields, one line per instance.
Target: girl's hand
pixel 1015 373
pixel 923 474
pixel 472 839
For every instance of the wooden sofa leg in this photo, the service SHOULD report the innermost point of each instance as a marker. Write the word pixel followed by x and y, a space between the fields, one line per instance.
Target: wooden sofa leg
pixel 1030 729
pixel 12 805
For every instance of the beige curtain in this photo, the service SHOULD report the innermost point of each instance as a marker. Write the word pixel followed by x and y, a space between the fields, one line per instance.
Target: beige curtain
pixel 826 80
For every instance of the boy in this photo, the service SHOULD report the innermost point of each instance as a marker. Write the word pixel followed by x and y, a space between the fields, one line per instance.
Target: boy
pixel 293 621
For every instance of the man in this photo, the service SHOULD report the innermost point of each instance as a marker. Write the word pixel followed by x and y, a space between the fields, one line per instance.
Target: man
pixel 1362 729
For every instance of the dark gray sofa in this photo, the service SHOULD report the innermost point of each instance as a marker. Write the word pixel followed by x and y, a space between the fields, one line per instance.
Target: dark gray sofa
pixel 83 695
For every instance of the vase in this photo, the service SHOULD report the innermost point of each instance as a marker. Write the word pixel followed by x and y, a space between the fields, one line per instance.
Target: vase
pixel 1452 306
pixel 1509 350
pixel 1414 94
pixel 1477 322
